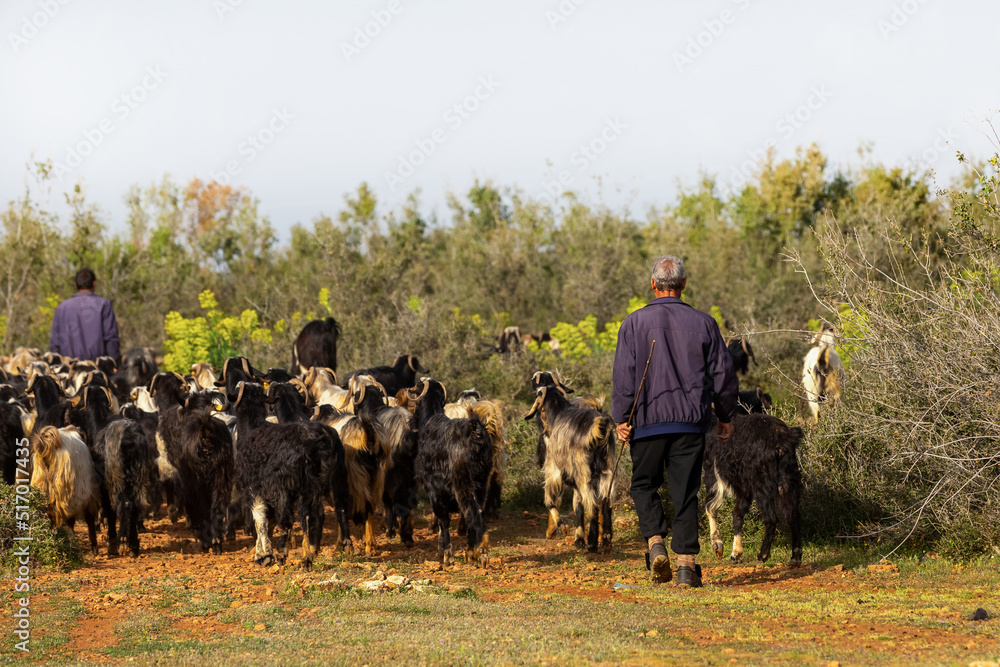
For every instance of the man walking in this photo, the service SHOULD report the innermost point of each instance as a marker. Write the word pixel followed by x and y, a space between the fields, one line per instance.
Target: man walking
pixel 84 325
pixel 689 369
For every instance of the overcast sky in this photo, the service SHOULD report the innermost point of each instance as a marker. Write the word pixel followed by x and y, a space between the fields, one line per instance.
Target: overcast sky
pixel 300 101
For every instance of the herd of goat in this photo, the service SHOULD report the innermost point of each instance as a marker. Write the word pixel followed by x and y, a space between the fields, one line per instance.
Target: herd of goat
pixel 255 450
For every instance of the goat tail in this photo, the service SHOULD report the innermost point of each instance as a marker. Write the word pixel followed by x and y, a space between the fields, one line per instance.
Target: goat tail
pixel 717 494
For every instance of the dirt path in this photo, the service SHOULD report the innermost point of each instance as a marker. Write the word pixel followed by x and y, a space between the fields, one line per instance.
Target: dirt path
pixel 172 591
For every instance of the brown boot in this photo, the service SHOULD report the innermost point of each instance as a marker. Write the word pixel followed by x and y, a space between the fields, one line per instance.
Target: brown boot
pixel 658 563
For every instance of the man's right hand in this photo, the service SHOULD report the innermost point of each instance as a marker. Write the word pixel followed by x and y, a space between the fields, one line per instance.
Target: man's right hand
pixel 624 432
pixel 725 430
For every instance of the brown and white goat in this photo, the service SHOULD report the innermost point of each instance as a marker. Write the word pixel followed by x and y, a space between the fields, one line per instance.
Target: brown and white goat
pixel 579 452
pixel 822 372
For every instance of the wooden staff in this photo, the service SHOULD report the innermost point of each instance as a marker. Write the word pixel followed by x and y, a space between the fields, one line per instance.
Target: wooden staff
pixel 631 415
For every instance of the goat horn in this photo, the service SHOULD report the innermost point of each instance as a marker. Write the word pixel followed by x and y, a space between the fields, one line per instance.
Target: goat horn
pixel 361 394
pixel 427 385
pixel 239 392
pixel 179 377
pixel 246 365
pixel 445 390
pixel 409 362
pixel 107 393
pixel 299 386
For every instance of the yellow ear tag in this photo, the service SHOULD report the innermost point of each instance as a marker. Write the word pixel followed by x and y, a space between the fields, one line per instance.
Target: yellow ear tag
pixel 266 385
pixel 219 408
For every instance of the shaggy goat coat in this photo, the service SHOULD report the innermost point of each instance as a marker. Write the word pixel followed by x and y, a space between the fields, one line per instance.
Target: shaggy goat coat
pixel 121 461
pixel 758 463
pixel 63 470
pixel 454 461
pixel 580 453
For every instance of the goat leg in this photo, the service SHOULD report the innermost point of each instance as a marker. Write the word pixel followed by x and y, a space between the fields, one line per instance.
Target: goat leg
pixel 581 520
pixel 91 530
pixel 607 525
pixel 740 510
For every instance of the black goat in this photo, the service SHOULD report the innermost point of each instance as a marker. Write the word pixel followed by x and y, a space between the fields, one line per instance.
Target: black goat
pixel 138 367
pixel 401 375
pixel 236 370
pixel 454 461
pixel 149 421
pixel 580 452
pixel 316 345
pixel 509 340
pixel 741 352
pixel 284 467
pixel 11 434
pixel 50 407
pixel 121 462
pixel 288 401
pixel 753 402
pixel 199 447
pixel 759 463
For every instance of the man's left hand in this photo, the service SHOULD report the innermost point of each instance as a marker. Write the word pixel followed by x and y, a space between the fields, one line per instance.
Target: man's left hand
pixel 624 432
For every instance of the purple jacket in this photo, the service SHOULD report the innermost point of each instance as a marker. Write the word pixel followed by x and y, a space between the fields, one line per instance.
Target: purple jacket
pixel 689 370
pixel 85 327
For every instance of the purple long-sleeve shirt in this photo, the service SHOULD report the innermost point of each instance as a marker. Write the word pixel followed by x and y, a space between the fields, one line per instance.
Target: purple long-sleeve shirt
pixel 690 369
pixel 85 327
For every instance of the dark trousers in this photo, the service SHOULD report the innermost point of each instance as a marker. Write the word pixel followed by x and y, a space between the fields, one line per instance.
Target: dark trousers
pixel 681 454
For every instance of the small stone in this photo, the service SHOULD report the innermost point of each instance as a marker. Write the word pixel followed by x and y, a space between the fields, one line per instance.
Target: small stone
pixel 653 633
pixel 397 579
pixel 374 585
pixel 379 575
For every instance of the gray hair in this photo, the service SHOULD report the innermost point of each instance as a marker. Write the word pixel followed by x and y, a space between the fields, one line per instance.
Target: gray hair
pixel 668 273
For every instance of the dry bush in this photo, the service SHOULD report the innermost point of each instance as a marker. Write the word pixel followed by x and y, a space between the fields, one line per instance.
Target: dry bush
pixel 912 452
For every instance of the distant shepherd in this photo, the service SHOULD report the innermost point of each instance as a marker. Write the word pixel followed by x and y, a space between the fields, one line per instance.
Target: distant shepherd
pixel 84 325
